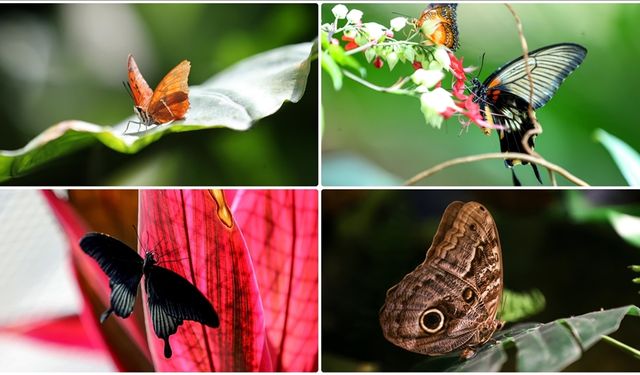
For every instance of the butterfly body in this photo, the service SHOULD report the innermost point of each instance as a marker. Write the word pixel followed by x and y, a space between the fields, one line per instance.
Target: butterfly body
pixel 170 297
pixel 450 301
pixel 167 103
pixel 438 23
pixel 504 96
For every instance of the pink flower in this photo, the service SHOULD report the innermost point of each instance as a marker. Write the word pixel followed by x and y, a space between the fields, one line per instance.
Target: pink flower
pixel 351 45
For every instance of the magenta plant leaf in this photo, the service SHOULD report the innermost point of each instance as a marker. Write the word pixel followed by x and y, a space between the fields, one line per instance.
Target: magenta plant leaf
pixel 65 331
pixel 281 231
pixel 193 233
pixel 122 338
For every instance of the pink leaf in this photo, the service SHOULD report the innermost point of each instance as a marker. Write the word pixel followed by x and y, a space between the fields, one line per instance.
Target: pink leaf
pixel 122 338
pixel 281 231
pixel 65 331
pixel 193 233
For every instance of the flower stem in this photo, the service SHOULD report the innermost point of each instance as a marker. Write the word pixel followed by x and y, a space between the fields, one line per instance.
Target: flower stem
pixel 620 345
pixel 395 89
pixel 360 49
pixel 496 155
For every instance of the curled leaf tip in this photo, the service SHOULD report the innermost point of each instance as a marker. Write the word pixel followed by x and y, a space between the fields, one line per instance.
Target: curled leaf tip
pixel 224 214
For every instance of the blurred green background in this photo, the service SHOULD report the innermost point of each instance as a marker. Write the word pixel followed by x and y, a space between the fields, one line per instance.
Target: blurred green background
pixel 375 138
pixel 559 242
pixel 68 61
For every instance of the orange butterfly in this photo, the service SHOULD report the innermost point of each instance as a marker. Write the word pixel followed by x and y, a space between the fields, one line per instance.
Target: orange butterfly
pixel 443 27
pixel 168 102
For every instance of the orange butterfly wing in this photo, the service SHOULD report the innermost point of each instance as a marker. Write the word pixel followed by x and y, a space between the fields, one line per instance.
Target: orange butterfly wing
pixel 139 88
pixel 170 100
pixel 446 31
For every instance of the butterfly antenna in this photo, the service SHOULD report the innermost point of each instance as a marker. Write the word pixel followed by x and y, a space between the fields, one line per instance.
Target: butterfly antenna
pixel 401 14
pixel 481 65
pixel 173 260
pixel 135 231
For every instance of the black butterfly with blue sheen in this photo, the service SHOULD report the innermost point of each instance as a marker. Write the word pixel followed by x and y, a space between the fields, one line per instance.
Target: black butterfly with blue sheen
pixel 172 299
pixel 504 96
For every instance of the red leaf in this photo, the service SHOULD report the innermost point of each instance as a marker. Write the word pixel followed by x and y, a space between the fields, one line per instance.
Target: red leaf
pixel 65 331
pixel 281 231
pixel 122 338
pixel 193 233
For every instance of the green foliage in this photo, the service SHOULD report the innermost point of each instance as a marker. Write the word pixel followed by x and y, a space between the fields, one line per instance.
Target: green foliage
pixel 517 306
pixel 237 97
pixel 627 159
pixel 548 347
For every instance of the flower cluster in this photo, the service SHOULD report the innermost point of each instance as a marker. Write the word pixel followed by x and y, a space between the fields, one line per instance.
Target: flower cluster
pixel 432 63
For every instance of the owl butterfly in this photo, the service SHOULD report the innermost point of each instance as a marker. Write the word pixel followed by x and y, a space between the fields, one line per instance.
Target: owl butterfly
pixel 450 301
pixel 438 23
pixel 167 103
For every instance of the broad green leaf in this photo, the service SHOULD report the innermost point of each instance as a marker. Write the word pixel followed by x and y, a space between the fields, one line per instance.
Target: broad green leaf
pixel 235 98
pixel 627 159
pixel 547 347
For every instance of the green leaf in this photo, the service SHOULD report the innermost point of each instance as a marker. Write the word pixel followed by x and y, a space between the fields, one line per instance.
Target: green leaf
pixel 329 65
pixel 547 347
pixel 340 56
pixel 235 98
pixel 627 159
pixel 627 226
pixel 520 305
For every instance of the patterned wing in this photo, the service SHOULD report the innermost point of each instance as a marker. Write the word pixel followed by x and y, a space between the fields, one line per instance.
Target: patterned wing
pixel 549 67
pixel 139 88
pixel 441 24
pixel 172 299
pixel 122 265
pixel 170 100
pixel 450 301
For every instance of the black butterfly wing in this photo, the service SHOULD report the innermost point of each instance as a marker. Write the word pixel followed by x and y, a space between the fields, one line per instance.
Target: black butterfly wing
pixel 511 112
pixel 549 65
pixel 173 299
pixel 122 265
pixel 504 96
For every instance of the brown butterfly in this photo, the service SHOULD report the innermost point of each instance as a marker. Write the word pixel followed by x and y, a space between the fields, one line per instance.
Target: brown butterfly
pixel 450 301
pixel 440 25
pixel 167 103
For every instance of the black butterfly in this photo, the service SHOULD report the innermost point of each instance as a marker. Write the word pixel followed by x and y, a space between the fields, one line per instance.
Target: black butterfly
pixel 504 95
pixel 172 299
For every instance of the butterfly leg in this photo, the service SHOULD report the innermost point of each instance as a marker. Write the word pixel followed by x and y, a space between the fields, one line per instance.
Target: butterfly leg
pixel 105 315
pixel 467 353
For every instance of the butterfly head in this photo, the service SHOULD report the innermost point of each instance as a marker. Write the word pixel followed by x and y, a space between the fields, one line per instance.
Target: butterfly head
pixel 149 260
pixel 144 117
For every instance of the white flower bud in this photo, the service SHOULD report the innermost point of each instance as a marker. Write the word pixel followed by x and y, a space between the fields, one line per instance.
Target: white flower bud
pixel 339 11
pixel 398 23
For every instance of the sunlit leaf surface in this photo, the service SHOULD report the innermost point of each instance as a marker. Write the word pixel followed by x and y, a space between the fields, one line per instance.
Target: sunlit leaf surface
pixel 280 228
pixel 235 98
pixel 193 233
